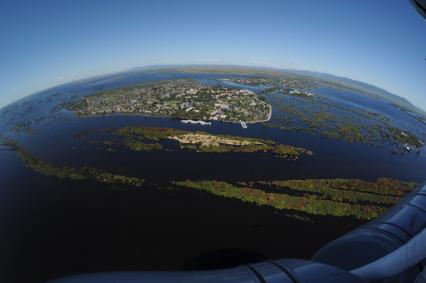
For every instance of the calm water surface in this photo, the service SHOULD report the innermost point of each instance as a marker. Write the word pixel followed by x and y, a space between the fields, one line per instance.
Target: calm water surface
pixel 52 227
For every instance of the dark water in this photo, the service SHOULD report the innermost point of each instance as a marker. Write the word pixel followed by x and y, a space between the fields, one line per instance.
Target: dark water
pixel 51 227
pixel 333 158
pixel 54 227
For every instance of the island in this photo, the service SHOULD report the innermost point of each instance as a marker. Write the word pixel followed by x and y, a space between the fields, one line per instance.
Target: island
pixel 301 199
pixel 181 98
pixel 139 138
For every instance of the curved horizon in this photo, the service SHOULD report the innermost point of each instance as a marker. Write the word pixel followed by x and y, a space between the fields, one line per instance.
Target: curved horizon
pixel 218 66
pixel 49 43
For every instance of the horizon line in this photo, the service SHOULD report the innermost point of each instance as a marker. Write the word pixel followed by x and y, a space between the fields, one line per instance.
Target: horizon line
pixel 160 66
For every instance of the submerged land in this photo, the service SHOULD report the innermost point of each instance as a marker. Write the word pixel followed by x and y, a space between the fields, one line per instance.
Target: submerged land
pixel 301 199
pixel 298 107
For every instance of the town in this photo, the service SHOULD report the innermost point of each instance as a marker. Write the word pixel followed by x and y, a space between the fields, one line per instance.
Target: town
pixel 181 98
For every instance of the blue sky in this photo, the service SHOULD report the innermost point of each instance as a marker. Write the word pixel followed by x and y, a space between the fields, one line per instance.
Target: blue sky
pixel 46 43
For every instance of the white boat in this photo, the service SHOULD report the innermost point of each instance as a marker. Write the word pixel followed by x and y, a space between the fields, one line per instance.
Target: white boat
pixel 203 123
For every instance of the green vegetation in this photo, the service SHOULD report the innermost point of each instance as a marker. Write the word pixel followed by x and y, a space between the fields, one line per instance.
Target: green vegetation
pixel 324 123
pixel 300 110
pixel 111 178
pixel 326 197
pixel 402 137
pixel 135 138
pixel 49 169
pixel 23 128
pixel 323 117
pixel 291 152
pixel 65 172
pixel 150 133
pixel 317 198
pixel 138 138
pixel 381 192
pixel 382 186
pixel 136 145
